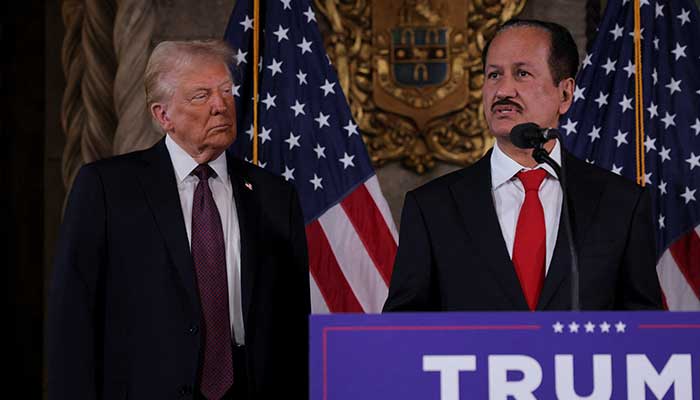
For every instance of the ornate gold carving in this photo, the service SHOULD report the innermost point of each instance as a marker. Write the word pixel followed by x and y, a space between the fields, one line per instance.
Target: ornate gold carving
pixel 418 58
pixel 411 70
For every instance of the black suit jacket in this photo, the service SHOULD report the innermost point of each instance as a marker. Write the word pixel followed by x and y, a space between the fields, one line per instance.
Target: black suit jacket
pixel 124 313
pixel 452 255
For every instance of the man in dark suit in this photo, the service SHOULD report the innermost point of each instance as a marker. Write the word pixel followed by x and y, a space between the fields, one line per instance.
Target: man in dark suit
pixel 491 237
pixel 181 271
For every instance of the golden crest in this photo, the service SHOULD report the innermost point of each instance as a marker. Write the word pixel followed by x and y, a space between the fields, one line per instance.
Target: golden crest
pixel 419 53
pixel 411 70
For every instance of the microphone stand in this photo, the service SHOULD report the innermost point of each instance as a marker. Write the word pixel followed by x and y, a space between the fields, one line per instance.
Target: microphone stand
pixel 541 156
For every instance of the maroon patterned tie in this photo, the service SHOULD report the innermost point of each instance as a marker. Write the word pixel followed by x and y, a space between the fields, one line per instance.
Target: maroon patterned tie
pixel 209 255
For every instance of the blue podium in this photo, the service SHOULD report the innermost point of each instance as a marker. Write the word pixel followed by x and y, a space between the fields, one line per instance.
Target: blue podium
pixel 505 355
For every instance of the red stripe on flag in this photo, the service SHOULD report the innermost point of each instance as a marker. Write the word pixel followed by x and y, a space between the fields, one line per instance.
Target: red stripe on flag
pixel 372 229
pixel 686 253
pixel 325 269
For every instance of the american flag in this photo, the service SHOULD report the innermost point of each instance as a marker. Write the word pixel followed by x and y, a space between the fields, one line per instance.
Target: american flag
pixel 308 136
pixel 600 126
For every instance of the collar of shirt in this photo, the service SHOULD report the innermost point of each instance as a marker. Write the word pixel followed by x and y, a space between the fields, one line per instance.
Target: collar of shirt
pixel 184 164
pixel 504 168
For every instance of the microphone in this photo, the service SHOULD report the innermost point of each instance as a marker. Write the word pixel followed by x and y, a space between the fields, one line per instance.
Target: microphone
pixel 529 135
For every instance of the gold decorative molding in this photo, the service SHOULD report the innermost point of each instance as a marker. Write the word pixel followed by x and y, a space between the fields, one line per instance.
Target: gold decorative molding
pixel 411 70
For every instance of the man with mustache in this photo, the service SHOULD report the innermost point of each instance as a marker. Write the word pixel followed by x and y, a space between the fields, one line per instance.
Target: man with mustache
pixel 181 272
pixel 491 237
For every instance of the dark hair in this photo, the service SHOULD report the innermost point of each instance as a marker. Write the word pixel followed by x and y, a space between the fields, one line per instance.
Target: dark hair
pixel 563 53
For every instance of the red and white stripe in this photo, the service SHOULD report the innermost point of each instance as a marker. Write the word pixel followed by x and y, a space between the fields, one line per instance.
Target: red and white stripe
pixel 679 273
pixel 351 253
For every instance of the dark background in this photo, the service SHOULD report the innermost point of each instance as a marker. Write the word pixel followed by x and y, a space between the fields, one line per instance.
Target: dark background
pixel 21 134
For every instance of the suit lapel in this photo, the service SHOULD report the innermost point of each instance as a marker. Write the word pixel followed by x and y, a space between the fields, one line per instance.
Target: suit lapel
pixel 584 196
pixel 248 211
pixel 474 200
pixel 559 268
pixel 158 181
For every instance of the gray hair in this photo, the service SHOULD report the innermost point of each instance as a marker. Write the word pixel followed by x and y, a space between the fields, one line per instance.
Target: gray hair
pixel 170 57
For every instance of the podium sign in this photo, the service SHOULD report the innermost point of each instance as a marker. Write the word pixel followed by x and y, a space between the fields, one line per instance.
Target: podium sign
pixel 505 355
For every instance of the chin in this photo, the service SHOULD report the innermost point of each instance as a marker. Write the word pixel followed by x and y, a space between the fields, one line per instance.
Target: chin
pixel 502 127
pixel 222 138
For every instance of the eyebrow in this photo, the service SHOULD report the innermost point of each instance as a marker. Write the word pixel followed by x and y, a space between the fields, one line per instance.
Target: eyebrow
pixel 227 81
pixel 224 82
pixel 517 64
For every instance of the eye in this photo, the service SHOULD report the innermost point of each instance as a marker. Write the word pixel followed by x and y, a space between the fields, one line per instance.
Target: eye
pixel 522 73
pixel 493 75
pixel 199 97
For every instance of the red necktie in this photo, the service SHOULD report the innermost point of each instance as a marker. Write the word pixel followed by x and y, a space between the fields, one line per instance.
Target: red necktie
pixel 530 247
pixel 209 256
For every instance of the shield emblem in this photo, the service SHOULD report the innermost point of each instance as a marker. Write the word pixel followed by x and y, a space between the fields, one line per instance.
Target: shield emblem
pixel 419 56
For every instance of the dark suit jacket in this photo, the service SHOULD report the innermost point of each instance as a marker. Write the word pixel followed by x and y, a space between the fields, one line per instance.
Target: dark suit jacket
pixel 452 255
pixel 124 313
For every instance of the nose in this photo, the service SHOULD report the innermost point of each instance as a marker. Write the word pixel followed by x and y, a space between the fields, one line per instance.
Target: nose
pixel 218 103
pixel 506 87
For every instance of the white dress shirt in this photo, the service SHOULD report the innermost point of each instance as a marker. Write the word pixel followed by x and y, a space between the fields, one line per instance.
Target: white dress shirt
pixel 222 191
pixel 509 195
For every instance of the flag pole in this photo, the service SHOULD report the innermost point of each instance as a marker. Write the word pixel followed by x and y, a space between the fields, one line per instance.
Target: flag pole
pixel 639 98
pixel 256 58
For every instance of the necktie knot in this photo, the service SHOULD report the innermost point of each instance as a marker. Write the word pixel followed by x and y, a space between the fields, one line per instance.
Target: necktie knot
pixel 532 179
pixel 203 172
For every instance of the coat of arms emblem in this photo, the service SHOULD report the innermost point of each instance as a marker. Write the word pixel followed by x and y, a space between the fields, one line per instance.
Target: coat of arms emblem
pixel 419 58
pixel 411 70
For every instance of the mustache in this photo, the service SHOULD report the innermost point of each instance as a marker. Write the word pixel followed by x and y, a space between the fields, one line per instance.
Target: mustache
pixel 506 102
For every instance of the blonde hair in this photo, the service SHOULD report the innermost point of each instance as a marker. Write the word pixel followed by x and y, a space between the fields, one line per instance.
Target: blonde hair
pixel 169 57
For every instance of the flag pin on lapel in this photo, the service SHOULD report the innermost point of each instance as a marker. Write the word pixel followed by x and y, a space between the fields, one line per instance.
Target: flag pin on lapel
pixel 249 185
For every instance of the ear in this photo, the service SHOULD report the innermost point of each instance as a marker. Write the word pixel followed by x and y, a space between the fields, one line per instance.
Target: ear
pixel 159 111
pixel 566 87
